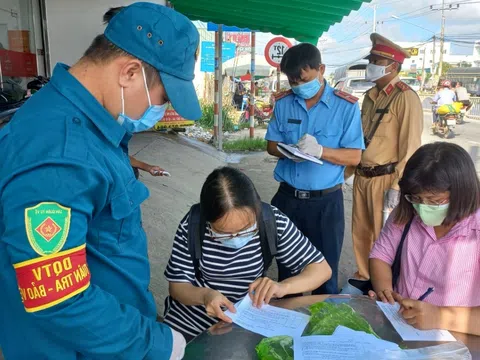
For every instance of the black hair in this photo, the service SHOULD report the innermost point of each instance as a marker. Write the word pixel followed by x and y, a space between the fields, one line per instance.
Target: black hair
pixel 102 50
pixel 440 167
pixel 228 188
pixel 460 83
pixel 300 57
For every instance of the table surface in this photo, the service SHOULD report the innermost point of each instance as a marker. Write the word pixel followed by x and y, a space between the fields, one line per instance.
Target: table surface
pixel 231 342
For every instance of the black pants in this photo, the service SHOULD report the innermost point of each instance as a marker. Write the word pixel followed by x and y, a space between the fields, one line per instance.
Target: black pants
pixel 322 221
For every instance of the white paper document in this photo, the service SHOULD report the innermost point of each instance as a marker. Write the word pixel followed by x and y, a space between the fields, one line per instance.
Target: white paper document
pixel 369 340
pixel 293 153
pixel 351 346
pixel 408 332
pixel 268 320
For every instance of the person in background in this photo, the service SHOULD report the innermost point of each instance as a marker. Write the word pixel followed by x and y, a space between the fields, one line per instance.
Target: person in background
pixel 326 124
pixel 462 94
pixel 440 190
pixel 74 256
pixel 392 118
pixel 231 264
pixel 444 96
pixel 151 169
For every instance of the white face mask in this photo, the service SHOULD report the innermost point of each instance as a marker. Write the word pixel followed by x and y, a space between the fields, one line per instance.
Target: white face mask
pixel 376 72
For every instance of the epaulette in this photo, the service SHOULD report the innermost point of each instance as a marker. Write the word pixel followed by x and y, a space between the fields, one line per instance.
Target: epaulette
pixel 346 96
pixel 282 94
pixel 402 86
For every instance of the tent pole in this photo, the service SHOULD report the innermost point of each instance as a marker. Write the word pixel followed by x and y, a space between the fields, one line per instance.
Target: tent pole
pixel 252 87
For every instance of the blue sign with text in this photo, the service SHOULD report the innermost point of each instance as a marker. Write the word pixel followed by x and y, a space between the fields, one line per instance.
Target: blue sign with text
pixel 207 55
pixel 214 27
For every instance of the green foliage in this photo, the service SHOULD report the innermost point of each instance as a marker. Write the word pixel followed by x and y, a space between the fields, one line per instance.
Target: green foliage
pixel 275 348
pixel 207 119
pixel 246 144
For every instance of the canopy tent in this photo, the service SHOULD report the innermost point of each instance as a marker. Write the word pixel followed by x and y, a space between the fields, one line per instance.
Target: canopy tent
pixel 304 20
pixel 240 66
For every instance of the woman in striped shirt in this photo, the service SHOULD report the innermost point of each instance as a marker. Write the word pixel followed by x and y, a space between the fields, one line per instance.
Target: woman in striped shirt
pixel 232 264
pixel 440 189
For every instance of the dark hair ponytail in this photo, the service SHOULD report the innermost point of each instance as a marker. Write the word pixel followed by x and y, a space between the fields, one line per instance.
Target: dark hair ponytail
pixel 228 188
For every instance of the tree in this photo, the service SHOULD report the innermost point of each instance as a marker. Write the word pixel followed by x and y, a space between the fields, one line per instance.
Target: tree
pixel 465 64
pixel 446 68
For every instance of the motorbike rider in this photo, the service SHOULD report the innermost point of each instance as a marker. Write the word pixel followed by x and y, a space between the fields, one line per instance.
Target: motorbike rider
pixel 462 94
pixel 445 96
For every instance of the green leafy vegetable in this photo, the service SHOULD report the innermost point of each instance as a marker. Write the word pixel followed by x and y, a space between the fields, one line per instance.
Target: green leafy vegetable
pixel 275 348
pixel 327 316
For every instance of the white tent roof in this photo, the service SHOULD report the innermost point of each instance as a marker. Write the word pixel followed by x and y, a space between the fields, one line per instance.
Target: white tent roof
pixel 240 66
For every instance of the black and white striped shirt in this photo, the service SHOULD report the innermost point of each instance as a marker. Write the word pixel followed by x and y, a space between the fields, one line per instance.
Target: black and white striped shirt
pixel 230 271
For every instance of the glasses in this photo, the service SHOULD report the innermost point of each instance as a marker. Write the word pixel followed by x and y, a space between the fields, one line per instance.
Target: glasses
pixel 412 199
pixel 217 237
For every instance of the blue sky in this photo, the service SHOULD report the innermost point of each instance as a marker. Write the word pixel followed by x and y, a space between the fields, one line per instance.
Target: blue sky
pixel 349 40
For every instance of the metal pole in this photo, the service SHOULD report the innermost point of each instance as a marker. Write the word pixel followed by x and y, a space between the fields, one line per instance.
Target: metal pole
pixel 220 88
pixel 442 39
pixel 433 59
pixel 215 100
pixel 423 68
pixel 374 18
pixel 1 76
pixel 252 87
pixel 278 79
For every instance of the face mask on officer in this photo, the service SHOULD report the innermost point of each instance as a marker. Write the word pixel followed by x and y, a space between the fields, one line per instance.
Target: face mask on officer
pixel 150 117
pixel 307 90
pixel 375 72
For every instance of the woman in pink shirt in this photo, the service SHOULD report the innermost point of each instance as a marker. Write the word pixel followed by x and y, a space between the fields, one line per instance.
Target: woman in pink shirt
pixel 440 194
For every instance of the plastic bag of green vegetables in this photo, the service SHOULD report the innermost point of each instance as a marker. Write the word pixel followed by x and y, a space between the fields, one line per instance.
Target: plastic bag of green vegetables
pixel 275 348
pixel 327 316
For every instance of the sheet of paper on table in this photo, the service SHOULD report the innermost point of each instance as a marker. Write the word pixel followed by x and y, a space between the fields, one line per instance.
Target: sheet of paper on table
pixel 408 332
pixel 344 344
pixel 293 153
pixel 268 320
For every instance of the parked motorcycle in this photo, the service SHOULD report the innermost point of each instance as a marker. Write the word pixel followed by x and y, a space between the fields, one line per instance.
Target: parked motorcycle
pixel 445 123
pixel 12 96
pixel 262 112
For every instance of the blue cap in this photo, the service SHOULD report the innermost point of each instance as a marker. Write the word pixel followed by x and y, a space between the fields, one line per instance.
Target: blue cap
pixel 165 39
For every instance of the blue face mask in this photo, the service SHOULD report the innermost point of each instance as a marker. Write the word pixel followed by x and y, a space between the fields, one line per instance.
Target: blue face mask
pixel 238 241
pixel 150 117
pixel 308 90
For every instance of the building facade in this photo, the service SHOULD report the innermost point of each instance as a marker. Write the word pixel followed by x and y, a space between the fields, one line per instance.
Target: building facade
pixel 36 34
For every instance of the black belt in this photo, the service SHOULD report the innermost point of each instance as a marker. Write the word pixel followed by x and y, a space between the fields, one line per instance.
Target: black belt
pixel 305 194
pixel 374 171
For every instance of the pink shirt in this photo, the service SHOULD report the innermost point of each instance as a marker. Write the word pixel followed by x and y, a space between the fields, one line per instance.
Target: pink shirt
pixel 451 264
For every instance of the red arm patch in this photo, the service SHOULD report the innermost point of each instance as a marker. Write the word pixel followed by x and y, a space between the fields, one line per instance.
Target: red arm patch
pixel 346 96
pixel 402 86
pixel 49 280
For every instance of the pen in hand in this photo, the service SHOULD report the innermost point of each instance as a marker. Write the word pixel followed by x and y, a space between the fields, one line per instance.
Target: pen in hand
pixel 428 292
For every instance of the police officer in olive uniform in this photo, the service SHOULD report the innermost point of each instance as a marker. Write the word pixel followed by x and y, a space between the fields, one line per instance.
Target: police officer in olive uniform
pixel 392 118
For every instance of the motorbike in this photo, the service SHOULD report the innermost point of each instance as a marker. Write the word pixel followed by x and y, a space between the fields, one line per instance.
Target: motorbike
pixel 262 113
pixel 12 96
pixel 445 123
pixel 465 107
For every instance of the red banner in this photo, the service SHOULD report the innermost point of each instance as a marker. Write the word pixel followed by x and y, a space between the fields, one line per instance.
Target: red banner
pixel 18 64
pixel 171 115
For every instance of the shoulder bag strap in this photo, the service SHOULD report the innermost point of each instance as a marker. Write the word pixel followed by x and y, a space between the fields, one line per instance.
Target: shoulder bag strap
pixel 398 255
